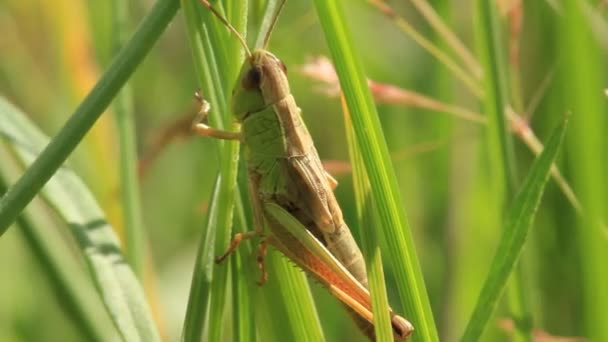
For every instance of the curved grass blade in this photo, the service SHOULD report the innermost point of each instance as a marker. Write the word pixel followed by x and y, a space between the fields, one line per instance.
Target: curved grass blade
pixel 115 281
pixel 377 162
pixel 517 225
pixel 49 161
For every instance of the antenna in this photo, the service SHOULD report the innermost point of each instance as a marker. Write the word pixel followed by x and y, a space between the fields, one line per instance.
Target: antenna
pixel 273 24
pixel 230 27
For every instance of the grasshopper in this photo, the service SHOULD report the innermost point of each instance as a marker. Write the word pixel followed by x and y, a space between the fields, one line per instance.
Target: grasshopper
pixel 291 193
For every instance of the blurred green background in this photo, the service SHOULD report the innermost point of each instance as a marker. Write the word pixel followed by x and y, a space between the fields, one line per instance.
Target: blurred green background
pixel 53 52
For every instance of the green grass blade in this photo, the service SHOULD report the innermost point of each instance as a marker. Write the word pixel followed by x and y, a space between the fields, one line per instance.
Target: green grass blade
pixel 129 182
pixel 500 143
pixel 228 172
pixel 208 291
pixel 297 299
pixel 118 287
pixel 369 239
pixel 517 226
pixel 378 165
pixel 200 288
pixel 18 196
pixel 243 311
pixel 495 99
pixel 582 76
pixel 225 203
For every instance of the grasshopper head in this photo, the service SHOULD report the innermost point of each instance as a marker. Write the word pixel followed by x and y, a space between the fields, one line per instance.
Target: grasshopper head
pixel 262 82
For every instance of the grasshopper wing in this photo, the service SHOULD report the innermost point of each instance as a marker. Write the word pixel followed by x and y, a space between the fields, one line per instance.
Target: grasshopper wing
pixel 318 203
pixel 307 172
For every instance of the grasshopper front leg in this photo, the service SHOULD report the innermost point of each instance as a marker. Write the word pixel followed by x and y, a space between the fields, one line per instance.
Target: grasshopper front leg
pixel 200 128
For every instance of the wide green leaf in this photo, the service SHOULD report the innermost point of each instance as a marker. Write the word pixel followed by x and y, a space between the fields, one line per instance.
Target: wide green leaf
pixel 116 283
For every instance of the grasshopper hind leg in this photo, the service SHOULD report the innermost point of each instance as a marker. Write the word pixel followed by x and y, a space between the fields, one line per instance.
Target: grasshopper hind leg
pixel 258 222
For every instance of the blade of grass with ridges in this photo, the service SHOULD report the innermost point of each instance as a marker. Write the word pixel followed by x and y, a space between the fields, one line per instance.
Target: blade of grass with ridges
pixel 242 314
pixel 582 76
pixel 150 29
pixel 367 223
pixel 116 283
pixel 378 165
pixel 518 222
pixel 208 282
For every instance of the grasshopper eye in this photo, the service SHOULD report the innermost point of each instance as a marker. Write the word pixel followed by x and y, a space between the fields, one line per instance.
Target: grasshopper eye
pixel 252 79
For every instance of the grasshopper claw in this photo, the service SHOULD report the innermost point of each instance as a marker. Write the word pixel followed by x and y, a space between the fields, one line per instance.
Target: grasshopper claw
pixel 200 128
pixel 261 262
pixel 236 241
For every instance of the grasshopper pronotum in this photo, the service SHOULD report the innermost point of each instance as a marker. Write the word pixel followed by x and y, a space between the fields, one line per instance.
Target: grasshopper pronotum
pixel 291 193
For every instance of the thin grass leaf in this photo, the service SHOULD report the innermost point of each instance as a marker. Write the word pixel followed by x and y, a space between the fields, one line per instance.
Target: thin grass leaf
pixel 297 298
pixel 367 223
pixel 116 283
pixel 377 162
pixel 500 142
pixel 495 98
pixel 125 122
pixel 200 295
pixel 517 226
pixel 243 309
pixel 20 194
pixel 225 202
